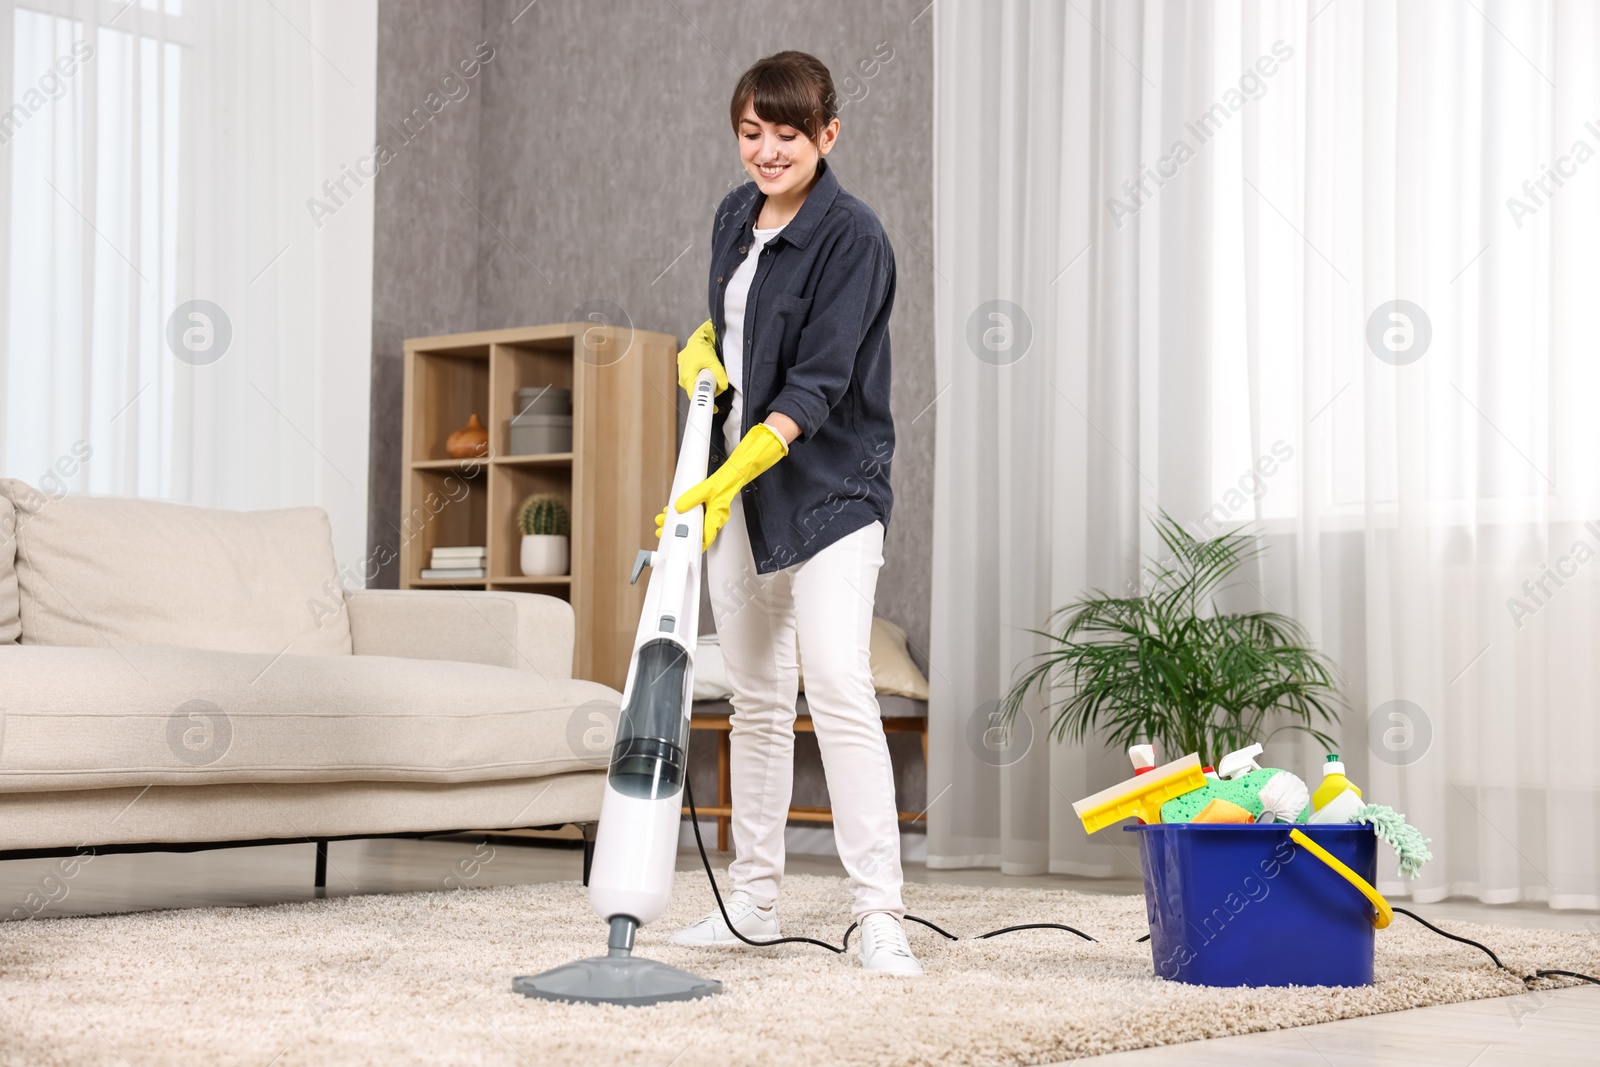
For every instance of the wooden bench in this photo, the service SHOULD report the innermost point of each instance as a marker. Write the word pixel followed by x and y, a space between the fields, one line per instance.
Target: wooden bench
pixel 901 715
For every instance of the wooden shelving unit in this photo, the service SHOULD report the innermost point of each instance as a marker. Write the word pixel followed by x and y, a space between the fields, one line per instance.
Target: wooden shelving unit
pixel 614 481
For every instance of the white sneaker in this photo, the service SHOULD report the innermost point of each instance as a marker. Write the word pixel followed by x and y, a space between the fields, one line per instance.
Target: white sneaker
pixel 883 946
pixel 751 921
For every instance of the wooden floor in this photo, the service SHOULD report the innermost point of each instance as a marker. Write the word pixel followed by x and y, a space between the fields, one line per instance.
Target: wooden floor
pixel 1556 1028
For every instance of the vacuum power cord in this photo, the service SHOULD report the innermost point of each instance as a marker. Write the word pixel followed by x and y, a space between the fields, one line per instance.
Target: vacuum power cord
pixel 694 821
pixel 1527 979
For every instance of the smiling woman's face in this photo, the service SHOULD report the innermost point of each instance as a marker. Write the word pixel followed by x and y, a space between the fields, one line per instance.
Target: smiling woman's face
pixel 780 158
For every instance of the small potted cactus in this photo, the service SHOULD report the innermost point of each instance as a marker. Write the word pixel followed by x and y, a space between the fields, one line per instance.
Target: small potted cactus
pixel 543 518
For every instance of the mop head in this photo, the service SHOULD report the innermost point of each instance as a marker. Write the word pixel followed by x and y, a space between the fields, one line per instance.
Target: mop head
pixel 1277 791
pixel 1406 840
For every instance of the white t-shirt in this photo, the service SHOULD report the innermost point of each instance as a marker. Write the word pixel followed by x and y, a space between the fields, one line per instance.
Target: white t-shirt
pixel 733 345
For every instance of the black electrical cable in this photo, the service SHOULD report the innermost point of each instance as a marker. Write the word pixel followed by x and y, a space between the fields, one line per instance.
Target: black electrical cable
pixel 1528 979
pixel 938 930
pixel 1564 974
pixel 1036 926
pixel 694 821
pixel 1453 937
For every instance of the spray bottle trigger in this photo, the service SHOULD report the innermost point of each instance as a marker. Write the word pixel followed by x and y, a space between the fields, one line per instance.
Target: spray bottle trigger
pixel 1237 764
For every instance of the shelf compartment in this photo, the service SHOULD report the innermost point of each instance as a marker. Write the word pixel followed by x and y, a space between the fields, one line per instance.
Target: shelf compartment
pixel 445 391
pixel 448 509
pixel 523 366
pixel 509 487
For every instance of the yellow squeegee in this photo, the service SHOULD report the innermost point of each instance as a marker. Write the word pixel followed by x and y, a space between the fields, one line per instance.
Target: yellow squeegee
pixel 1141 796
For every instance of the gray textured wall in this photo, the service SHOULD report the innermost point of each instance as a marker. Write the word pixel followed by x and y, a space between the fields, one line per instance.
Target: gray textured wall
pixel 425 233
pixel 587 160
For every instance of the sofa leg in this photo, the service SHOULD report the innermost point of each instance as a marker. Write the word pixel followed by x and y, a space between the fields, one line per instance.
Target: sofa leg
pixel 589 829
pixel 322 868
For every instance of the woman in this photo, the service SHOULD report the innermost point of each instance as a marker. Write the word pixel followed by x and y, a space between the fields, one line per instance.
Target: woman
pixel 801 285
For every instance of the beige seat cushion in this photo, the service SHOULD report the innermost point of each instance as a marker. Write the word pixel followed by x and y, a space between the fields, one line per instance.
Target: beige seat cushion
pixel 10 607
pixel 893 672
pixel 100 718
pixel 109 571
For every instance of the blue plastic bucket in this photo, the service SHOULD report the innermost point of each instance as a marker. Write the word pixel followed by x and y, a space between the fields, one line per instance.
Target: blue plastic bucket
pixel 1243 905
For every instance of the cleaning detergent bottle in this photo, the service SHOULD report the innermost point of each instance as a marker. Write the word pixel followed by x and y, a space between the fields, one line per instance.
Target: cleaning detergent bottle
pixel 1333 783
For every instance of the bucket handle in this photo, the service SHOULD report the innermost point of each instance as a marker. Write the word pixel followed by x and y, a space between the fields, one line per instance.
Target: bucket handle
pixel 1385 912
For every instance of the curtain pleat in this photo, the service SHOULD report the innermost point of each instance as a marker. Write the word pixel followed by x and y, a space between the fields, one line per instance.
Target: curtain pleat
pixel 166 154
pixel 1201 213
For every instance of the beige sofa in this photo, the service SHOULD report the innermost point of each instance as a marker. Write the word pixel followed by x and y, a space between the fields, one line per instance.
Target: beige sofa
pixel 179 674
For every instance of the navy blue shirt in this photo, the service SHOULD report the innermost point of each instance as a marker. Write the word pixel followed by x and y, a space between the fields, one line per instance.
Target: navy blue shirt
pixel 816 331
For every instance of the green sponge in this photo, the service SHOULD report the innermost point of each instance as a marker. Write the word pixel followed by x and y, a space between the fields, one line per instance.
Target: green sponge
pixel 1244 791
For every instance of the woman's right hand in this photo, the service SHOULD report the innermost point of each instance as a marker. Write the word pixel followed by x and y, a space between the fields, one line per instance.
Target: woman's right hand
pixel 698 354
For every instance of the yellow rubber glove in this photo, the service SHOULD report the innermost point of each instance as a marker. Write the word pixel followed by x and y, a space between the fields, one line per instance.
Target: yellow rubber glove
pixel 761 448
pixel 699 353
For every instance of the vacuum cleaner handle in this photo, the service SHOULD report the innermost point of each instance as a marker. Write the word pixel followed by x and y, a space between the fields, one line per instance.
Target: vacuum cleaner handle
pixel 636 847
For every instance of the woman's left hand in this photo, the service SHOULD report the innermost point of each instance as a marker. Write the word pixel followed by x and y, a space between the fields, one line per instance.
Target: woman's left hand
pixel 761 448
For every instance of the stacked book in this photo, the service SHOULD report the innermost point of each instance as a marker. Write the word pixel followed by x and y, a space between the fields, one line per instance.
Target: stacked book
pixel 461 562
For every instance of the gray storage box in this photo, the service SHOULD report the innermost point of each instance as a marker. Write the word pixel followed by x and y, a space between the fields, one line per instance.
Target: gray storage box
pixel 533 435
pixel 544 400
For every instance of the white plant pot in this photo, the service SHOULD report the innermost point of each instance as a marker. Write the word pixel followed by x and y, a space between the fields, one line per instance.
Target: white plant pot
pixel 544 555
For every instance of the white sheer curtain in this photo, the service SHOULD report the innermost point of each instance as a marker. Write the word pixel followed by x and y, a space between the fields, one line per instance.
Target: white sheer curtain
pixel 161 152
pixel 1200 215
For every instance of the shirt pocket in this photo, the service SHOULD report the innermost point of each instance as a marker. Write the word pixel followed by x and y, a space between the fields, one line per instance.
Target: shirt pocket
pixel 786 316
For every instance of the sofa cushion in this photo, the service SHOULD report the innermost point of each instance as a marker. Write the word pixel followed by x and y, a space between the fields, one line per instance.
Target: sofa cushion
pixel 98 571
pixel 10 608
pixel 101 718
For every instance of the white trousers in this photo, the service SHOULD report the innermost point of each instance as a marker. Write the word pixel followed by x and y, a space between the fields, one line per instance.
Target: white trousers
pixel 826 603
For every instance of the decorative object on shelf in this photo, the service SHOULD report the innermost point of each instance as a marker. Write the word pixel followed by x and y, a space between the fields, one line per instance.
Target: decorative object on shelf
pixel 457 556
pixel 543 422
pixel 458 574
pixel 544 524
pixel 469 441
pixel 460 562
pixel 544 400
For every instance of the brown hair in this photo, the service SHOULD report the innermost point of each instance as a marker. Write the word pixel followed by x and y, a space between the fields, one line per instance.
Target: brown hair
pixel 790 89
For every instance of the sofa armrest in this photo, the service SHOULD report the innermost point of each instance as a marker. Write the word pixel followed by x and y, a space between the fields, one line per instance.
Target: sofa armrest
pixel 524 631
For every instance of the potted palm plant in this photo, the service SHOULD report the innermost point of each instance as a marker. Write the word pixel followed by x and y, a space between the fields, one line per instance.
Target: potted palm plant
pixel 1166 666
pixel 544 524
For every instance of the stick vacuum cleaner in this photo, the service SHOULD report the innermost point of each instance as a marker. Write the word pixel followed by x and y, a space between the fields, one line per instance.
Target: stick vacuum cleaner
pixel 630 878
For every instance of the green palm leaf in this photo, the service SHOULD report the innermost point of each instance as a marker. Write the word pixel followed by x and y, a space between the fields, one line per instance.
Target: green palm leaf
pixel 1167 667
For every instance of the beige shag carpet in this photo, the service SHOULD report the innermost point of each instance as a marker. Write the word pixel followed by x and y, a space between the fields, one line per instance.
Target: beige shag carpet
pixel 426 978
